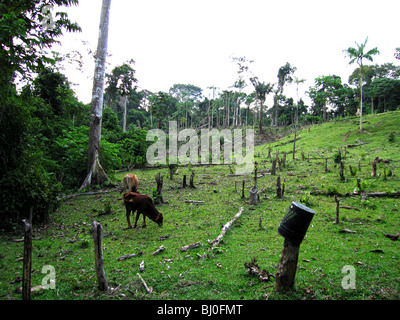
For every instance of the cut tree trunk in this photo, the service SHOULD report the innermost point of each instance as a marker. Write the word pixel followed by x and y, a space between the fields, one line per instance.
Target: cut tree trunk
pixel 98 254
pixel 159 180
pixel 279 192
pixel 253 196
pixel 286 271
pixel 27 267
pixel 337 201
pixel 373 166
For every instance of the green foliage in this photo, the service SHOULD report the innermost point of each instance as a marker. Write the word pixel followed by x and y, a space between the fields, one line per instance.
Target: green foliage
pixel 23 35
pixel 72 152
pixel 24 180
pixel 337 157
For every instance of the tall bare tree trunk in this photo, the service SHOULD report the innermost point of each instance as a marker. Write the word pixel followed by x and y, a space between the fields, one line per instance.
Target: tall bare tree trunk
pixel 124 103
pixel 96 174
pixel 361 102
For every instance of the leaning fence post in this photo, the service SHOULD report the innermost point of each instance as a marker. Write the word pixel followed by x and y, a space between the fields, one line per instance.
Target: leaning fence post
pixel 293 228
pixel 27 268
pixel 98 253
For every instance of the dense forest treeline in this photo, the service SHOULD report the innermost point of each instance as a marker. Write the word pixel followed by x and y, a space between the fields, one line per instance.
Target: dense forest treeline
pixel 44 128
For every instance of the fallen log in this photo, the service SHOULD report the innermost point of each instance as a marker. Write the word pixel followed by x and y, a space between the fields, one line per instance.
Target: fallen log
pixel 382 194
pixel 36 288
pixel 128 256
pixel 160 249
pixel 240 174
pixel 225 228
pixel 194 201
pixel 393 237
pixel 345 230
pixel 349 194
pixel 351 208
pixel 148 289
pixel 356 145
pixel 86 194
pixel 191 246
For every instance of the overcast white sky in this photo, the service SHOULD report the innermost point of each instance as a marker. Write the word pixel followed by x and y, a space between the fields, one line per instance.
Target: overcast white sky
pixel 192 41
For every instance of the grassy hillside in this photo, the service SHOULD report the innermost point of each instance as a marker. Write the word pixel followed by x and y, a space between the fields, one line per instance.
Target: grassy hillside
pixel 219 273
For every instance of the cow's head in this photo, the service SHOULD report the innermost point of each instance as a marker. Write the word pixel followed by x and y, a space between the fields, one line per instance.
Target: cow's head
pixel 159 219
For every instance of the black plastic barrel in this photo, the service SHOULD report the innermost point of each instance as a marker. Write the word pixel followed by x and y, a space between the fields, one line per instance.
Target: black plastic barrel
pixel 295 223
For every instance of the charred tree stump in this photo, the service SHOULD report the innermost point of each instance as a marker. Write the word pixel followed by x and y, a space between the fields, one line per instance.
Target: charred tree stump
pixel 337 200
pixel 279 164
pixel 191 181
pixel 27 267
pixel 341 171
pixel 255 175
pixel 98 254
pixel 243 182
pixel 184 185
pixel 172 169
pixel 158 196
pixel 273 167
pixel 278 187
pixel 373 166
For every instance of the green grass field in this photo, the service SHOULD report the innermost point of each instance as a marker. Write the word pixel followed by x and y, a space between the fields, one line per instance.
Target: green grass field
pixel 219 273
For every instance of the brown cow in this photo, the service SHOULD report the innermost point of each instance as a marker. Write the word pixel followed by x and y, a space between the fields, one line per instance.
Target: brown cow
pixel 143 205
pixel 131 183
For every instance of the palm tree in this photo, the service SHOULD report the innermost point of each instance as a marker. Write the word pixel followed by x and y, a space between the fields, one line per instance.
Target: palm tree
pixel 358 54
pixel 262 90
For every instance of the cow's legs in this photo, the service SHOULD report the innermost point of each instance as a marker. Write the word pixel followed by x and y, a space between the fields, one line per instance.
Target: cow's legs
pixel 137 218
pixel 144 221
pixel 128 218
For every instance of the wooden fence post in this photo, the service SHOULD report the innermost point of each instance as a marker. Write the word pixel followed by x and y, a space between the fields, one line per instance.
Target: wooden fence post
pixel 98 254
pixel 27 268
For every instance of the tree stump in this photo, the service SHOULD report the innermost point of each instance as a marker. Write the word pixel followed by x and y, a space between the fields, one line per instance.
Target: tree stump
pixel 287 266
pixel 293 228
pixel 184 185
pixel 191 181
pixel 98 254
pixel 27 267
pixel 253 196
pixel 273 167
pixel 158 196
pixel 337 200
pixel 278 187
pixel 373 166
pixel 341 171
pixel 243 182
